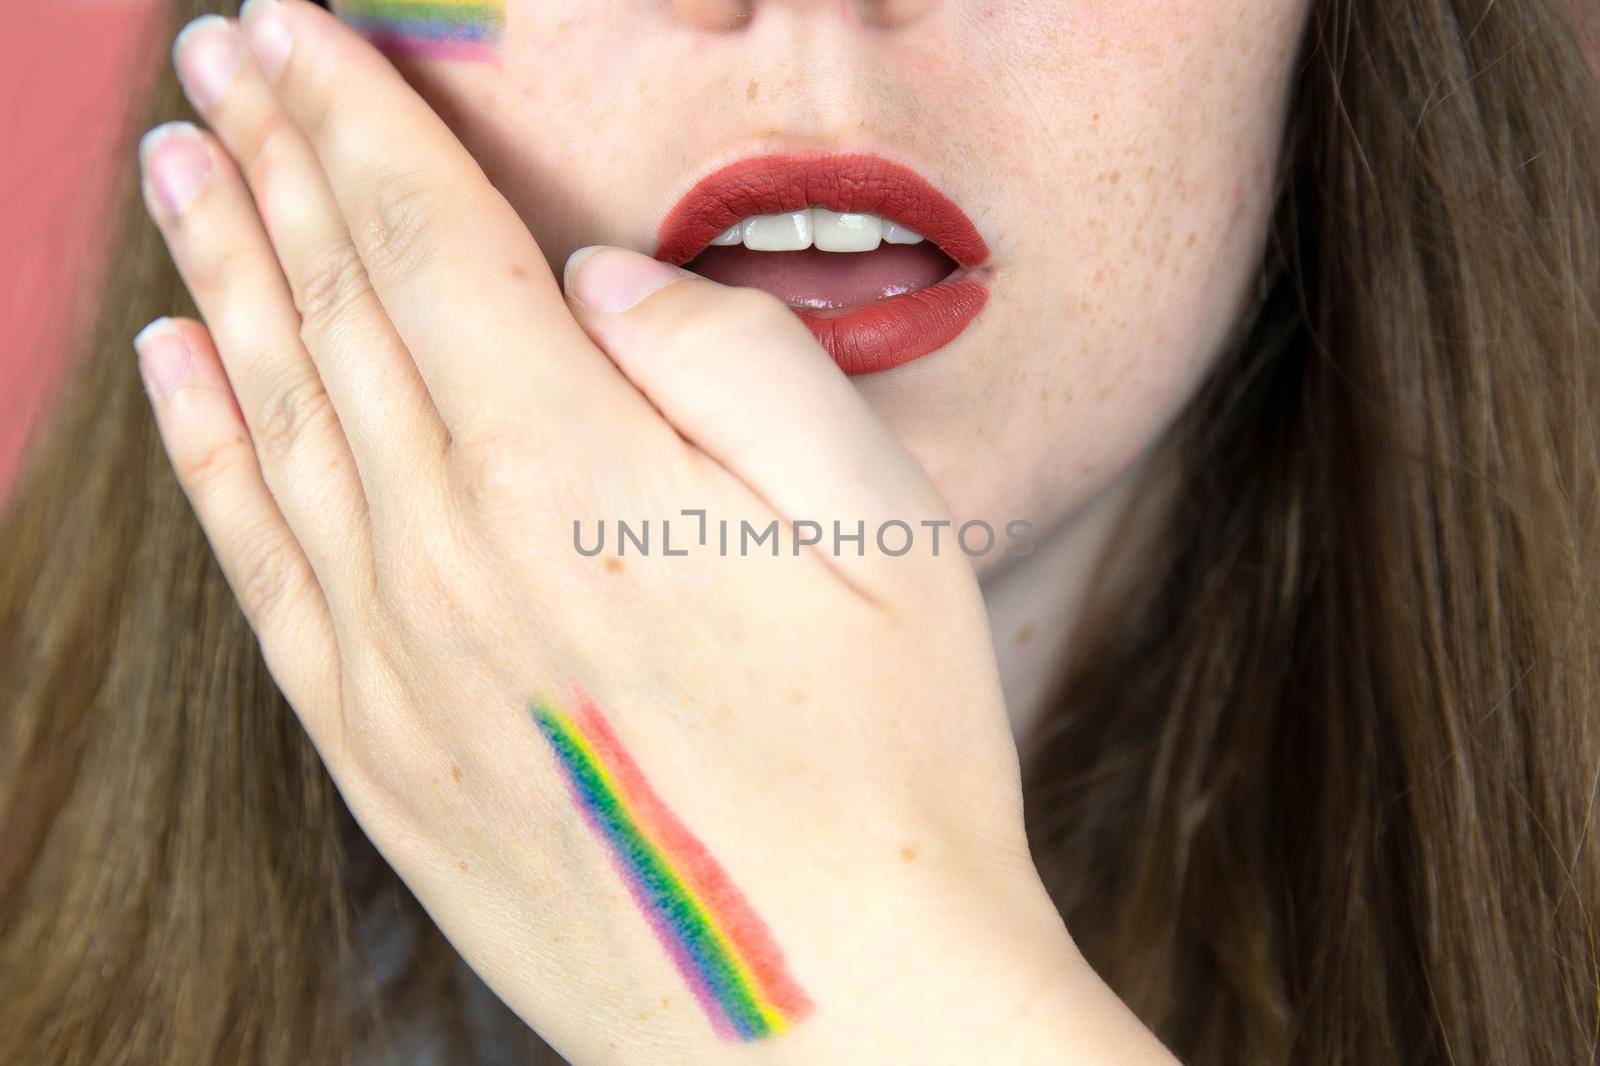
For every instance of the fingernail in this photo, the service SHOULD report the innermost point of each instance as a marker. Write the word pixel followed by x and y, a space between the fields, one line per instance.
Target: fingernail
pixel 614 279
pixel 206 55
pixel 164 357
pixel 268 33
pixel 176 164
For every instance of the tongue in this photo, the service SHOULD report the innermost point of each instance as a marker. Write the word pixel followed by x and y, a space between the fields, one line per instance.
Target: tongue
pixel 827 280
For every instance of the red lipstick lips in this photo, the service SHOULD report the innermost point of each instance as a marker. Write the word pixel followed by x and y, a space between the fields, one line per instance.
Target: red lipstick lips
pixel 862 337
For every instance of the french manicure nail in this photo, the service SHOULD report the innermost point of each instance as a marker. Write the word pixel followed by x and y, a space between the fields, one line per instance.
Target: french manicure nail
pixel 164 357
pixel 614 279
pixel 268 33
pixel 207 55
pixel 176 164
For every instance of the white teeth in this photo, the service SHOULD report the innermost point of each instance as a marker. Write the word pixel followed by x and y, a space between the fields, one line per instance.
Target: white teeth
pixel 788 232
pixel 830 231
pixel 895 233
pixel 833 231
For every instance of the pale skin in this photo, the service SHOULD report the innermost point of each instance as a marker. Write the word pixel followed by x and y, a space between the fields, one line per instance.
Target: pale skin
pixel 394 408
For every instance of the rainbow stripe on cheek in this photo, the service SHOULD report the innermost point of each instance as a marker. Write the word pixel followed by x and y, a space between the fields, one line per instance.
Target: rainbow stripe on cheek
pixel 434 29
pixel 717 942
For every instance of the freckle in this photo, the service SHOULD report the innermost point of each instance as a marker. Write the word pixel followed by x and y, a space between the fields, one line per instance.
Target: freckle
pixel 1190 242
pixel 665 1002
pixel 797 698
pixel 455 773
pixel 752 89
pixel 614 566
pixel 1024 635
pixel 518 272
pixel 433 780
pixel 333 464
pixel 1116 176
pixel 908 853
pixel 461 866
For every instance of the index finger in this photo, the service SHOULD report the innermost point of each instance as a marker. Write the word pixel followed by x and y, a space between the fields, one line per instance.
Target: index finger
pixel 462 279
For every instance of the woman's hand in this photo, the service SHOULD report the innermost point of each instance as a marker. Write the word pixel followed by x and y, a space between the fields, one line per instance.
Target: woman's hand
pixel 663 804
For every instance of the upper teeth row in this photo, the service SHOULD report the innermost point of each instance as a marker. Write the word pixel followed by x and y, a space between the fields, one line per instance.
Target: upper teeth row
pixel 830 231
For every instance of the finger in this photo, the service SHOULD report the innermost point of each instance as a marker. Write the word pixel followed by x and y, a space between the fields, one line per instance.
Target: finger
pixel 461 277
pixel 205 437
pixel 738 375
pixel 204 212
pixel 382 404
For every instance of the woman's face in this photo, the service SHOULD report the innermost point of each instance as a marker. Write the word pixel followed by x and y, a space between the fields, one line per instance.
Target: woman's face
pixel 1116 157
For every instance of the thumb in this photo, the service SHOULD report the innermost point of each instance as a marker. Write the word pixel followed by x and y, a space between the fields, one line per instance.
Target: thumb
pixel 737 373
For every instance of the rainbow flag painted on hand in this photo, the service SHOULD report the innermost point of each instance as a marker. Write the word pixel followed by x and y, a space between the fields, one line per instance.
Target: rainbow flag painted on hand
pixel 715 939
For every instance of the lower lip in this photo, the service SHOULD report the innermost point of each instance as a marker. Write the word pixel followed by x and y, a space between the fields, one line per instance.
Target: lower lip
pixel 889 332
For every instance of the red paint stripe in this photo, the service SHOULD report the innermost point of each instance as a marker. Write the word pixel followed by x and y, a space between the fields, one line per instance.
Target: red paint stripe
pixel 710 882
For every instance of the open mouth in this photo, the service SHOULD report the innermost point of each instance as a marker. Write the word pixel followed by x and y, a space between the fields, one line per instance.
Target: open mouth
pixel 881 266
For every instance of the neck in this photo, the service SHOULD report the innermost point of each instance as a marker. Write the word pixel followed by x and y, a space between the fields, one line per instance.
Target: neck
pixel 1035 602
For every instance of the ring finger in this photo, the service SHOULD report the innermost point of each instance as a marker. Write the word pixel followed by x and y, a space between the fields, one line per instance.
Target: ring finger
pixel 197 199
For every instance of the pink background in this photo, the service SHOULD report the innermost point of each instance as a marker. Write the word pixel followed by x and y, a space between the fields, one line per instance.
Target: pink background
pixel 69 71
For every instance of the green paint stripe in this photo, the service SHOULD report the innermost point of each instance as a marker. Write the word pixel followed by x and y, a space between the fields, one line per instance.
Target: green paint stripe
pixel 683 911
pixel 391 11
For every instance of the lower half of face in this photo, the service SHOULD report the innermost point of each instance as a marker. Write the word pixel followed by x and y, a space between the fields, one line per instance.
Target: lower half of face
pixel 1026 228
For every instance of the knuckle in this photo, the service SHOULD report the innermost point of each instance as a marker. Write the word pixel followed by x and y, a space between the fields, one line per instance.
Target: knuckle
pixel 739 317
pixel 395 228
pixel 201 475
pixel 334 281
pixel 212 273
pixel 317 107
pixel 288 412
pixel 269 578
pixel 755 307
pixel 492 466
pixel 269 149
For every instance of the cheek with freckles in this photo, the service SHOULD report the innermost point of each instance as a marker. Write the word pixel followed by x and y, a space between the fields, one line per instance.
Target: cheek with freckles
pixel 580 119
pixel 1136 207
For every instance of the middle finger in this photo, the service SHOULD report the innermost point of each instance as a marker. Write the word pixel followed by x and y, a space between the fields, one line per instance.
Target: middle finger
pixel 393 428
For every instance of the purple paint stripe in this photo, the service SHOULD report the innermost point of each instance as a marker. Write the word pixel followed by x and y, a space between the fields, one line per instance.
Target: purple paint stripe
pixel 434 47
pixel 658 923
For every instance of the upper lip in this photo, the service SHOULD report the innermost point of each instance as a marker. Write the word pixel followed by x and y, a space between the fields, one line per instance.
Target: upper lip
pixel 851 181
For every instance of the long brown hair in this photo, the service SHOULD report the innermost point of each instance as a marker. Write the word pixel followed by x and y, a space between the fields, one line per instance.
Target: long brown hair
pixel 1325 795
pixel 1320 779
